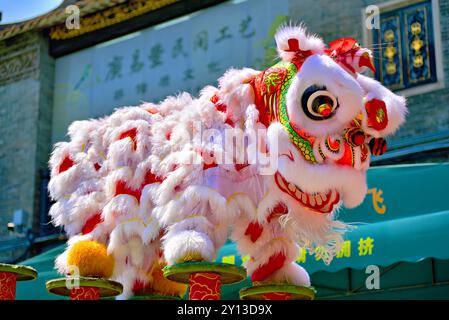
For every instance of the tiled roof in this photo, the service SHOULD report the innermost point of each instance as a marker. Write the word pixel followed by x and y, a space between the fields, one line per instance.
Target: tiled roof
pixel 57 16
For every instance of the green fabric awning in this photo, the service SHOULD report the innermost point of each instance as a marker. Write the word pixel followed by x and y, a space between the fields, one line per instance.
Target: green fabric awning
pixel 44 264
pixel 384 243
pixel 404 218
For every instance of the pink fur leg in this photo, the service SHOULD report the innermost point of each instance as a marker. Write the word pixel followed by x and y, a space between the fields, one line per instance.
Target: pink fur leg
pixel 271 253
pixel 187 245
pixel 291 273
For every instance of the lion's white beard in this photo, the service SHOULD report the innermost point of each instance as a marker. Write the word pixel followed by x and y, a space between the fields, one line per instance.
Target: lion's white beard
pixel 320 234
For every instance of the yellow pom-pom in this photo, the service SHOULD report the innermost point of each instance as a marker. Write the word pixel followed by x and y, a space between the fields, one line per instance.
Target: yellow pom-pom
pixel 91 258
pixel 163 286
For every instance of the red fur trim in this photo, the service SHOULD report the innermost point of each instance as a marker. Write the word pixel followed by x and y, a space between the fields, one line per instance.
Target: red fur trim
pixel 122 188
pixel 140 286
pixel 131 133
pixel 66 164
pixel 293 45
pixel 209 165
pixel 222 108
pixel 91 223
pixel 254 230
pixel 214 99
pixel 151 178
pixel 240 166
pixel 300 57
pixel 230 122
pixel 275 262
pixel 277 211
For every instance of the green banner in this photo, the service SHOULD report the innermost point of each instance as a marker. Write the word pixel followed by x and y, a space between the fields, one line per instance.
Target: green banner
pixel 405 217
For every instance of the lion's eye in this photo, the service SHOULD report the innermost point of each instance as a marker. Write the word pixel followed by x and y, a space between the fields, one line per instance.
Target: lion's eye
pixel 318 103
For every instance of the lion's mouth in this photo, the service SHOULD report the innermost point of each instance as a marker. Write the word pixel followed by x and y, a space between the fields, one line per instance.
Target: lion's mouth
pixel 317 202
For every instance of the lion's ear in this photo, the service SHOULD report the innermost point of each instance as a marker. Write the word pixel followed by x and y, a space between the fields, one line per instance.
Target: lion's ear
pixel 294 40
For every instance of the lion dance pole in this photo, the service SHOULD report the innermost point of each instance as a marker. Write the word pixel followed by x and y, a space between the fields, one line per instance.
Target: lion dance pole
pixel 9 275
pixel 84 288
pixel 205 278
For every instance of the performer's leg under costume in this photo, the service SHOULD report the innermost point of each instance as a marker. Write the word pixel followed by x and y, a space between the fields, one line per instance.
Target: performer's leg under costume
pixel 270 251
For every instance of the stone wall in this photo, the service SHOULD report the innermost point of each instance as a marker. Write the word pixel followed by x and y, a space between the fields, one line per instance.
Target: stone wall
pixel 26 80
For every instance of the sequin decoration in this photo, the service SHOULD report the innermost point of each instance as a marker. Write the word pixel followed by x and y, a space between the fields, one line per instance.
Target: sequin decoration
pixel 300 139
pixel 270 89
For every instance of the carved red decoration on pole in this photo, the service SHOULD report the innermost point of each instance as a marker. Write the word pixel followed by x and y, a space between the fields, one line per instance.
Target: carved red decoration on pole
pixel 9 275
pixel 7 286
pixel 204 286
pixel 85 293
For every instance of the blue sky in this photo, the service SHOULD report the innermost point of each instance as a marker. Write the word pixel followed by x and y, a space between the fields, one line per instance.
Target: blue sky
pixel 21 10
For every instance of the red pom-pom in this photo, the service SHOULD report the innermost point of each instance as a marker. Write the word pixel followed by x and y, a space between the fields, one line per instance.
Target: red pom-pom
pixel 377 114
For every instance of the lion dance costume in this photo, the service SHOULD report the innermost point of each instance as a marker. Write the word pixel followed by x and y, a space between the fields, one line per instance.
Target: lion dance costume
pixel 138 190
